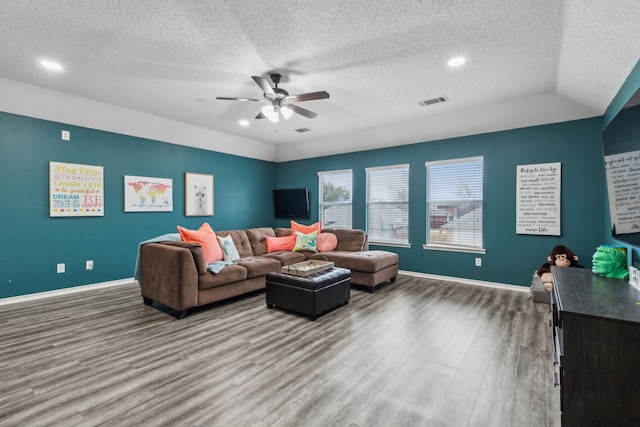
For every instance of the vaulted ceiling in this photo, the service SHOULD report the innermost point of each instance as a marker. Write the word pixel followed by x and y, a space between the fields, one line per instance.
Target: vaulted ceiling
pixel 154 68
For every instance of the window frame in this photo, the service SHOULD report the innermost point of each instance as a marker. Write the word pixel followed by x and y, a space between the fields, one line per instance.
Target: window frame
pixel 321 203
pixel 378 240
pixel 430 245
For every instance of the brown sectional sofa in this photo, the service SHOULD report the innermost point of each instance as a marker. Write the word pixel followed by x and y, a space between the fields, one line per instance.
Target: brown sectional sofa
pixel 175 274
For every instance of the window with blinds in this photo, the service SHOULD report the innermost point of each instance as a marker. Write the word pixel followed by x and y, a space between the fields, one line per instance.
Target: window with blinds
pixel 454 204
pixel 388 204
pixel 335 192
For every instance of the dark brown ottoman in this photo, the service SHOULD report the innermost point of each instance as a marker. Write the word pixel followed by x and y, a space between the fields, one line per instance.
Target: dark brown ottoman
pixel 312 295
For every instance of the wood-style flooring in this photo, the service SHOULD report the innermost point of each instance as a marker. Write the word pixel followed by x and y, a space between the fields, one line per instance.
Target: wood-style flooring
pixel 417 352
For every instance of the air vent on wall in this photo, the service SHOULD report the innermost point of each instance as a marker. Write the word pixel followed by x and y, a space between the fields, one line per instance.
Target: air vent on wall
pixel 431 101
pixel 301 130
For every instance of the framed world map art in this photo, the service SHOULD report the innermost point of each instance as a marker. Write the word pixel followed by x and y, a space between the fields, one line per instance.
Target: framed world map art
pixel 146 194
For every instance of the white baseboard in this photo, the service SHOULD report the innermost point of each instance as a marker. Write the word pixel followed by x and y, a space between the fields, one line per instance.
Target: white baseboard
pixel 65 291
pixel 467 281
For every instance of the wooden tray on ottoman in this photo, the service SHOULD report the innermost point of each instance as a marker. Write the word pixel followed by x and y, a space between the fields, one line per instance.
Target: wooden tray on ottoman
pixel 307 268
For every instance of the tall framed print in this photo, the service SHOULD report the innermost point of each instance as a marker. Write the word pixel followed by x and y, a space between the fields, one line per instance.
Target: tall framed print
pixel 146 194
pixel 538 199
pixel 75 190
pixel 198 194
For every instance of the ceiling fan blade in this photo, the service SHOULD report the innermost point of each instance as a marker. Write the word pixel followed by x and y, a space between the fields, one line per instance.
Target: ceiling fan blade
pixel 260 116
pixel 307 96
pixel 224 98
pixel 264 85
pixel 303 111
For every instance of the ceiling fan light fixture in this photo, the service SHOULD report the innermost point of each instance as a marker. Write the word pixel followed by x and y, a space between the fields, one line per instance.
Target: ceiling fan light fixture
pixel 279 102
pixel 286 112
pixel 271 113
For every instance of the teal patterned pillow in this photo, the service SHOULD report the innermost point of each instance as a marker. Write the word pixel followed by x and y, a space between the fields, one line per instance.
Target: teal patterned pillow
pixel 306 242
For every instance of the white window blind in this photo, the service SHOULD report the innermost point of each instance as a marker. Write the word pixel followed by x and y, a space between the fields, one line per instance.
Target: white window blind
pixel 454 204
pixel 388 204
pixel 336 189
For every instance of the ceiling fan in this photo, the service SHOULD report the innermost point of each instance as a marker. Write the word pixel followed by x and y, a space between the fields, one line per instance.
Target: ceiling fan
pixel 280 103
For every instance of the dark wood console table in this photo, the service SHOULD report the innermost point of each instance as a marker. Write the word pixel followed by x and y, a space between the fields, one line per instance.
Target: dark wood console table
pixel 596 331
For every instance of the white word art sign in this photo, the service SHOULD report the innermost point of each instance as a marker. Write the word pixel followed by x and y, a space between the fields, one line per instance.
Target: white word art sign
pixel 538 199
pixel 75 190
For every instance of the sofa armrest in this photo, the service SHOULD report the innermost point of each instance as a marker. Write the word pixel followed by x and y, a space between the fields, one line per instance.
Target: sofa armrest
pixel 169 275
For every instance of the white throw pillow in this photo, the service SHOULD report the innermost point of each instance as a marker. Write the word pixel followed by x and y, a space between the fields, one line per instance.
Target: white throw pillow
pixel 229 250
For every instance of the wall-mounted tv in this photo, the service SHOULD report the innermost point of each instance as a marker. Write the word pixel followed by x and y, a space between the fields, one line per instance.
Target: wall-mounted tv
pixel 621 149
pixel 291 203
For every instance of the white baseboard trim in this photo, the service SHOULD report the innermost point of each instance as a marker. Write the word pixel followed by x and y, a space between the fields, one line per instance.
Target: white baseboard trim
pixel 467 281
pixel 94 286
pixel 65 291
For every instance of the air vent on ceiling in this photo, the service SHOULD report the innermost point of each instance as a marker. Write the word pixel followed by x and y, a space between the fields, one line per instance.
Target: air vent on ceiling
pixel 301 130
pixel 431 101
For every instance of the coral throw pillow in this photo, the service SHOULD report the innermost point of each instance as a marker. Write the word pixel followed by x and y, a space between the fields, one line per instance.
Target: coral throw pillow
pixel 306 229
pixel 306 242
pixel 207 239
pixel 285 243
pixel 229 251
pixel 326 242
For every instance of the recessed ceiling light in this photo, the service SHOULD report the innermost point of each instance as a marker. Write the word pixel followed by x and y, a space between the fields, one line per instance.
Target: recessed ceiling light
pixel 243 122
pixel 456 62
pixel 51 65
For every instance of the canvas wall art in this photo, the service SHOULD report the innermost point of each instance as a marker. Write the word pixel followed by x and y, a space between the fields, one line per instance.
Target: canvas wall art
pixel 198 192
pixel 147 194
pixel 75 190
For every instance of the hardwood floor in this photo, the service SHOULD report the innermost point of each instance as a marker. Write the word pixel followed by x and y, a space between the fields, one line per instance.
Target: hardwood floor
pixel 416 352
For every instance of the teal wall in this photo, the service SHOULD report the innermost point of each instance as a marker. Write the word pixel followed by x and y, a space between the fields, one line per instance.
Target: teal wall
pixel 510 258
pixel 32 243
pixel 629 87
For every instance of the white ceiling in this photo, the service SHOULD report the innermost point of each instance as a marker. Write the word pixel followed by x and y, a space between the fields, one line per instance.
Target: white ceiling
pixel 154 68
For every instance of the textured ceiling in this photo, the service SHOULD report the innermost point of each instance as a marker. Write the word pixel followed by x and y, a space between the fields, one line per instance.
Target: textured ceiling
pixel 154 68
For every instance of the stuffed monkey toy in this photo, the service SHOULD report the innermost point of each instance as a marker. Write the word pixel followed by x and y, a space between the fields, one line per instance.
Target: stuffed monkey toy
pixel 561 256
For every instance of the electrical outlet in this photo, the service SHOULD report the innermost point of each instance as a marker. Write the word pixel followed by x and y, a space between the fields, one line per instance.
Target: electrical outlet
pixel 89 265
pixel 66 135
pixel 60 268
pixel 478 262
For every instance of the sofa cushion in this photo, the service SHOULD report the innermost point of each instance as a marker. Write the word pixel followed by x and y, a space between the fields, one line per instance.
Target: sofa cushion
pixel 350 240
pixel 287 257
pixel 257 238
pixel 281 232
pixel 229 274
pixel 365 261
pixel 258 266
pixel 206 238
pixel 284 243
pixel 240 239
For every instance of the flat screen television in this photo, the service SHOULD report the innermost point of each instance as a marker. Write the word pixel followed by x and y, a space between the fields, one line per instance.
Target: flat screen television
pixel 621 149
pixel 291 203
